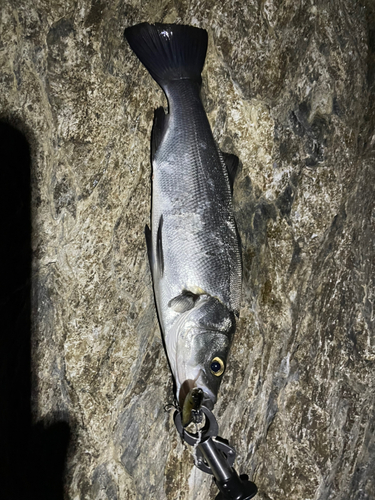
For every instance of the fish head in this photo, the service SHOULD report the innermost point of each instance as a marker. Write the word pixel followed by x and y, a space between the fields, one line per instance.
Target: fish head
pixel 203 337
pixel 202 362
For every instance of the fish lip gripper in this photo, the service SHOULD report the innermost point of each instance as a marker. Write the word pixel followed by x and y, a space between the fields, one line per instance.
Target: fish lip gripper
pixel 215 456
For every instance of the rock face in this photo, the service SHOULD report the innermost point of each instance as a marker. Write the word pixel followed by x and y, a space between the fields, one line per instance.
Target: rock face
pixel 289 87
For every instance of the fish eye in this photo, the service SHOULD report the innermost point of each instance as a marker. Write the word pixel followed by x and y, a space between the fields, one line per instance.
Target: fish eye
pixel 217 367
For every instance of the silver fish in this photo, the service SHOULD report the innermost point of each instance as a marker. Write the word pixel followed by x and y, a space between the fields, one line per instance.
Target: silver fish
pixel 193 244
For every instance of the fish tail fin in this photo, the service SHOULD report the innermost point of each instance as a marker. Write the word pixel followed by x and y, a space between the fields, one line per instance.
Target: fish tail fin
pixel 169 51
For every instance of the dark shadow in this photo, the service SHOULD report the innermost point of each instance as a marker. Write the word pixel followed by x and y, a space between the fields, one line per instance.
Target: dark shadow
pixel 32 457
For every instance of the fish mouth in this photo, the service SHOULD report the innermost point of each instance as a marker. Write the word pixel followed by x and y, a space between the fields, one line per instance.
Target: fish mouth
pixel 191 399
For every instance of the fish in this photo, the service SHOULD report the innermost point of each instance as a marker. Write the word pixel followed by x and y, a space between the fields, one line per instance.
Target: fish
pixel 193 244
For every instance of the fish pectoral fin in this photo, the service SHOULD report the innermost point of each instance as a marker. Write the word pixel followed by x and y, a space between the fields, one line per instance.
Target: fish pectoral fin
pixel 231 162
pixel 183 302
pixel 159 248
pixel 158 129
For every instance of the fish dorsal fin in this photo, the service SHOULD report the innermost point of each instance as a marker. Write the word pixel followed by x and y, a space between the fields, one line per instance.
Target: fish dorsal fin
pixel 158 129
pixel 231 162
pixel 159 248
pixel 183 302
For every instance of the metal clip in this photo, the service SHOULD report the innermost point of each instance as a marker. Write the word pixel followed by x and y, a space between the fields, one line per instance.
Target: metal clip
pixel 215 456
pixel 210 427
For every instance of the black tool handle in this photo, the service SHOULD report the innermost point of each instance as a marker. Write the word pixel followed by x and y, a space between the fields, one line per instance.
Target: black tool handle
pixel 231 486
pixel 236 488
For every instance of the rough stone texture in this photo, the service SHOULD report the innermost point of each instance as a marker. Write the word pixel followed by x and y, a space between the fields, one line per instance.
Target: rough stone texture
pixel 289 87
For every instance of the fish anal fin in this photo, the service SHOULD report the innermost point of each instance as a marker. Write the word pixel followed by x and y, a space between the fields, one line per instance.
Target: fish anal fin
pixel 158 129
pixel 159 247
pixel 149 246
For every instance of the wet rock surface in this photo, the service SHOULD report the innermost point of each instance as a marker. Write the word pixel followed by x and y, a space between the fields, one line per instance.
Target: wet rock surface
pixel 288 87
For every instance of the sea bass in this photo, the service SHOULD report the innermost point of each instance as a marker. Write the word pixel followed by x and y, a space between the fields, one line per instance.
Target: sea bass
pixel 193 244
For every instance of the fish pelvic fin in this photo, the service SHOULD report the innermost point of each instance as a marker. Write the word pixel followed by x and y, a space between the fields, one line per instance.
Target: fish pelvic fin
pixel 169 51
